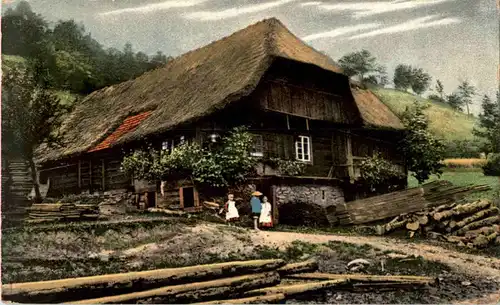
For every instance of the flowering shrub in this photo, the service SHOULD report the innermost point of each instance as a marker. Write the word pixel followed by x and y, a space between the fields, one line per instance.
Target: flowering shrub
pixel 230 163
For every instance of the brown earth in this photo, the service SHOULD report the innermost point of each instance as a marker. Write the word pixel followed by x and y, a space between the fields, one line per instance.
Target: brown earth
pixel 50 255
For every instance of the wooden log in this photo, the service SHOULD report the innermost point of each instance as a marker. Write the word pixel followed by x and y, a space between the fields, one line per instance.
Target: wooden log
pixel 199 291
pixel 413 226
pixel 477 224
pixel 423 220
pixel 396 225
pixel 477 216
pixel 364 278
pixel 482 241
pixel 167 211
pixel 307 266
pixel 472 207
pixel 483 230
pixel 296 289
pixel 96 286
pixel 261 299
pixel 443 215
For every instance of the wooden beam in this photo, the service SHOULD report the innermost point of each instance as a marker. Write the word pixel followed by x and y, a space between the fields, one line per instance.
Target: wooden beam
pixel 274 206
pixel 103 174
pixel 196 198
pixel 181 197
pixel 90 175
pixel 79 173
pixel 350 160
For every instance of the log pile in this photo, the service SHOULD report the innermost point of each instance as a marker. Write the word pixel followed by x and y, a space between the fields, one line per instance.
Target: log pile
pixel 240 282
pixel 474 224
pixel 45 212
pixel 406 201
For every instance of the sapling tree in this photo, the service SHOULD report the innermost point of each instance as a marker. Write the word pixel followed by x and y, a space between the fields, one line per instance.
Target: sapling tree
pixel 422 150
pixel 31 116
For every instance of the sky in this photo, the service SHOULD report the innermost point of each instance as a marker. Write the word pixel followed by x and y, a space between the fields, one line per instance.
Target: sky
pixel 452 40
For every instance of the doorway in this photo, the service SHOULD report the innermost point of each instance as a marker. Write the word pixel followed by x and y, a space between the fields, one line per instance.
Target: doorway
pixel 188 196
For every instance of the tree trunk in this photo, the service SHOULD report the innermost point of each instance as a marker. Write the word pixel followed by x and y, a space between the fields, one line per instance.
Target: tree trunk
pixel 261 299
pixel 38 195
pixel 193 292
pixel 101 285
pixel 307 266
pixel 295 289
pixel 363 278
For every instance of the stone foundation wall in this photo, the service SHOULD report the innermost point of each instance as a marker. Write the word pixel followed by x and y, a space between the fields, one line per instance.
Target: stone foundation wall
pixel 321 195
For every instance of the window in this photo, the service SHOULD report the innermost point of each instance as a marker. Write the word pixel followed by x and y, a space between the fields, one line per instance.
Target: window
pixel 258 146
pixel 303 149
pixel 164 145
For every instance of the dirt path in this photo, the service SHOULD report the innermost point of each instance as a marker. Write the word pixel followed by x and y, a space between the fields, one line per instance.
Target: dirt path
pixel 473 265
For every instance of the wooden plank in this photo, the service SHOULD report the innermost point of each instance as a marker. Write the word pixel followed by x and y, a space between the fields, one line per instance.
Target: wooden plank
pixel 349 155
pixel 79 173
pixel 181 197
pixel 196 197
pixel 103 174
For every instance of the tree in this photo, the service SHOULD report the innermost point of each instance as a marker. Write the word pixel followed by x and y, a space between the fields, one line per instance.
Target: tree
pixel 440 89
pixel 379 78
pixel 31 116
pixel 402 77
pixel 406 77
pixel 440 96
pixel 455 101
pixel 358 64
pixel 489 124
pixel 466 91
pixel 23 31
pixel 422 150
pixel 420 81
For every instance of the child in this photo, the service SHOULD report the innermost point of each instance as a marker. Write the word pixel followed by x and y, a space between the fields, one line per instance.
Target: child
pixel 256 209
pixel 266 218
pixel 231 210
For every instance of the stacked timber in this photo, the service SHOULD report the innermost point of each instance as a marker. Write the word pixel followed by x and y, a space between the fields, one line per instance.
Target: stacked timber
pixel 45 212
pixel 240 282
pixel 406 201
pixel 474 224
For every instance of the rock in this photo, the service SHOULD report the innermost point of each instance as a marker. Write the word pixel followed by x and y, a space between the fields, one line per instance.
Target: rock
pixel 466 283
pixel 339 297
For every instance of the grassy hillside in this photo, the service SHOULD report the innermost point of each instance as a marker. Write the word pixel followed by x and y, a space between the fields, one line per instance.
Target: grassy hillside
pixel 444 122
pixel 11 61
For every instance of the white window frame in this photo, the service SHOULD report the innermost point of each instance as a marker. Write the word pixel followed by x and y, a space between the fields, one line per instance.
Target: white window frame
pixel 300 153
pixel 260 151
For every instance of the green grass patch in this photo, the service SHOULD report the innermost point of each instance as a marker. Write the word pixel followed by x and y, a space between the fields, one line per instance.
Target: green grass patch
pixel 467 177
pixel 444 121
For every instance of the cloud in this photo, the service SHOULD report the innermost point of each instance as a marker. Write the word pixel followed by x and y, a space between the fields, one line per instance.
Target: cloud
pixel 154 7
pixel 235 11
pixel 363 9
pixel 341 31
pixel 311 3
pixel 411 25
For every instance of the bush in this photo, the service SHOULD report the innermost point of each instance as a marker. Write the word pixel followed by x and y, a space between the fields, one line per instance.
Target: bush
pixel 492 166
pixel 463 149
pixel 376 171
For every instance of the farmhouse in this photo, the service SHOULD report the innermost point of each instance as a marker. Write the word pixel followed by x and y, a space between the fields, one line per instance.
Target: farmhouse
pixel 295 99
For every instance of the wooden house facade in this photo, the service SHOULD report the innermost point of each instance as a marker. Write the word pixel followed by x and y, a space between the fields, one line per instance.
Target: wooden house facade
pixel 295 100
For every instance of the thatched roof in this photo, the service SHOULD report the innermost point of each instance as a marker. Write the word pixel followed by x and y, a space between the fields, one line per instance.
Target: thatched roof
pixel 191 86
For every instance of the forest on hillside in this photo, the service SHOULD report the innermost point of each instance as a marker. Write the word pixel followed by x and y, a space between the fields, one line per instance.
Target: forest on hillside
pixel 65 54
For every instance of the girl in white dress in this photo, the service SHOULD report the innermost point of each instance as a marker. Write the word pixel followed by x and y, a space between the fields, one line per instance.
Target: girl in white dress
pixel 266 218
pixel 231 210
